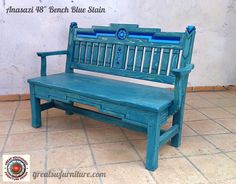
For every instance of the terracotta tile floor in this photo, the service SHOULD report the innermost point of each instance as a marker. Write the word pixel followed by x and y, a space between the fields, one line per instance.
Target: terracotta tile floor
pixel 70 143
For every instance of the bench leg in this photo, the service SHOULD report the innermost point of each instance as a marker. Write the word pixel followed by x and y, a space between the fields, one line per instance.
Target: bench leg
pixel 153 138
pixel 36 112
pixel 69 112
pixel 178 120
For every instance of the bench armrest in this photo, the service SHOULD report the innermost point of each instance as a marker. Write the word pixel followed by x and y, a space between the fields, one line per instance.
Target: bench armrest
pixel 51 53
pixel 181 80
pixel 43 56
pixel 183 71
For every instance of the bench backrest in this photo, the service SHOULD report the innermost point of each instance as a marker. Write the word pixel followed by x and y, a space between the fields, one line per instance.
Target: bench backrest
pixel 129 51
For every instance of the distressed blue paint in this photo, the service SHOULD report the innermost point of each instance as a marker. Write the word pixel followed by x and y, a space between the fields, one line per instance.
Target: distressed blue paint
pixel 134 106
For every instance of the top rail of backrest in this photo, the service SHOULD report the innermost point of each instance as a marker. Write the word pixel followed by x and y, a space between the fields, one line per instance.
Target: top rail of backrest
pixel 130 51
pixel 130 34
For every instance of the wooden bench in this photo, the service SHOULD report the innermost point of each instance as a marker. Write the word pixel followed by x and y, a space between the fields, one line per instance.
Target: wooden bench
pixel 122 50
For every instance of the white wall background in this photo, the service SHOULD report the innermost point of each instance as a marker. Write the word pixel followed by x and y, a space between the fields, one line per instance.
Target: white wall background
pixel 22 35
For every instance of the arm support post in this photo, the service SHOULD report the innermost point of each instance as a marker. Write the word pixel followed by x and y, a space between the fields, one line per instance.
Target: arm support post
pixel 181 76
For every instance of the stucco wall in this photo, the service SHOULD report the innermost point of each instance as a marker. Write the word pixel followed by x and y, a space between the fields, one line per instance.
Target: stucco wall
pixel 22 35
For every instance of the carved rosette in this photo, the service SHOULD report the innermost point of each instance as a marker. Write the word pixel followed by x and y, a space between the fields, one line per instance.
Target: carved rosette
pixel 121 34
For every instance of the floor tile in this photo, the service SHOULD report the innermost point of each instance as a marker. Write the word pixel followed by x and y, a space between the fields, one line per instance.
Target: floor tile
pixel 229 123
pixel 192 96
pixel 32 181
pixel 231 109
pixel 134 134
pixel 225 142
pixel 106 134
pixel 67 137
pixel 215 113
pixel 90 123
pixel 200 103
pixel 230 181
pixel 204 127
pixel 133 172
pixel 210 95
pixel 177 171
pixel 38 180
pixel 27 141
pixel 232 155
pixel 53 112
pixel 24 126
pixel 6 115
pixel 64 123
pixel 2 140
pixel 215 167
pixel 192 115
pixel 26 114
pixel 24 105
pixel 114 153
pixel 69 157
pixel 187 107
pixel 77 180
pixel 4 127
pixel 187 131
pixel 224 102
pixel 8 106
pixel 166 151
pixel 196 145
pixel 228 94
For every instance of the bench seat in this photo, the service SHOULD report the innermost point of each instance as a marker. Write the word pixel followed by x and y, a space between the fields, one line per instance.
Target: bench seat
pixel 114 91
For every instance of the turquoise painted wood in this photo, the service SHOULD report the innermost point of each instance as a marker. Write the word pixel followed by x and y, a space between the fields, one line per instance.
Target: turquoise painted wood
pixel 123 50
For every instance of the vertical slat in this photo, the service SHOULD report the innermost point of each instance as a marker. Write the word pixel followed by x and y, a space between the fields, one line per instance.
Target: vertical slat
pixel 147 59
pixel 174 60
pixel 180 58
pixel 125 50
pixel 164 62
pixel 76 53
pixel 108 55
pixel 131 58
pixel 88 52
pixel 102 54
pixel 169 62
pixel 82 52
pixel 112 55
pixel 139 57
pixel 95 53
pixel 156 60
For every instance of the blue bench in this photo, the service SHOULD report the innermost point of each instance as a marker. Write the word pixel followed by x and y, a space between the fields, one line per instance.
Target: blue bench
pixel 128 51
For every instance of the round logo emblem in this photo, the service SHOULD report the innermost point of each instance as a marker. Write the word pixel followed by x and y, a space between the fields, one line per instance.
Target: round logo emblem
pixel 121 34
pixel 16 168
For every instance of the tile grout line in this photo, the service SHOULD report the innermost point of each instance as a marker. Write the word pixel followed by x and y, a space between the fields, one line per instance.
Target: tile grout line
pixel 186 157
pixel 151 174
pixel 220 151
pixel 194 165
pixel 90 148
pixel 216 134
pixel 9 130
pixel 217 106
